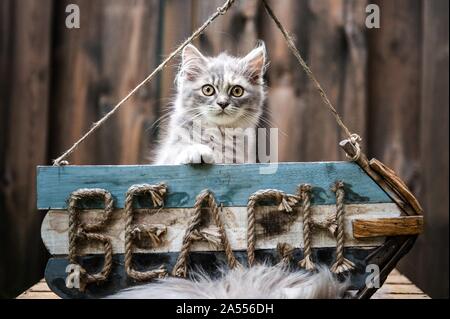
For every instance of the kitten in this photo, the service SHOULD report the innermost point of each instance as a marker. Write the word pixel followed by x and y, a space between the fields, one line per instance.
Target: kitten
pixel 218 105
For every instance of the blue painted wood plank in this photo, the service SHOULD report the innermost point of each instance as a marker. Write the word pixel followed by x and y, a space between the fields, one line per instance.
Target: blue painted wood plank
pixel 231 184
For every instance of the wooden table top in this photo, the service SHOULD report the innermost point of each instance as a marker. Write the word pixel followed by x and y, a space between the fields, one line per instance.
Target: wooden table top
pixel 397 286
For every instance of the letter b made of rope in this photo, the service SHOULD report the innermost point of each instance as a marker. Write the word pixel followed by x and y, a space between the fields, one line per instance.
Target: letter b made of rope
pixel 78 277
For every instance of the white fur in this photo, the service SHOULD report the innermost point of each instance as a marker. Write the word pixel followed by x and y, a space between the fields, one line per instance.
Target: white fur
pixel 258 282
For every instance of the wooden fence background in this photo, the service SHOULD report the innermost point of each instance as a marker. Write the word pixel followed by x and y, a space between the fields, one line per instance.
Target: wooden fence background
pixel 390 84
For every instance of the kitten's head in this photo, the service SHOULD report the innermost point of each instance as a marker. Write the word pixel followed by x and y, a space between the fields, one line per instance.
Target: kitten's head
pixel 223 90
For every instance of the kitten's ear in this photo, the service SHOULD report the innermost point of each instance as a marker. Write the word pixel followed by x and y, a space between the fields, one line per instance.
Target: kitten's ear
pixel 256 62
pixel 192 62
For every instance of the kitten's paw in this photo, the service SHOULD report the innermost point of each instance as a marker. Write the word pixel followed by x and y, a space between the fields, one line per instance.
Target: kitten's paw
pixel 196 154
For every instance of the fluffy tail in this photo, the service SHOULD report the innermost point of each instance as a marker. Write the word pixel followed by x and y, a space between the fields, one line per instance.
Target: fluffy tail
pixel 258 282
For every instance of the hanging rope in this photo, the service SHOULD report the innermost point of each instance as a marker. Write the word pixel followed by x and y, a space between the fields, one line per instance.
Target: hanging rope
pixel 342 264
pixel 194 233
pixel 354 138
pixel 305 196
pixel 81 231
pixel 154 232
pixel 220 11
pixel 286 202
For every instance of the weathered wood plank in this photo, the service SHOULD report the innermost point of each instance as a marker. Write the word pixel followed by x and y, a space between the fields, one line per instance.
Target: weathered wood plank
pixel 397 286
pixel 272 227
pixel 76 86
pixel 38 295
pixel 127 56
pixel 209 261
pixel 39 287
pixel 25 82
pixel 95 67
pixel 395 277
pixel 401 289
pixel 400 296
pixel 396 183
pixel 231 184
pixel 394 88
pixel 406 225
pixel 432 248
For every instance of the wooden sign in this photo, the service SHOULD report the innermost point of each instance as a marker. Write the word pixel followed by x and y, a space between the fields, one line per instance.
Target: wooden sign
pixel 92 234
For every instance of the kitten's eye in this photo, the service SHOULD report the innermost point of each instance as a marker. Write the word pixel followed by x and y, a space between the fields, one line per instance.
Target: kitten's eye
pixel 208 90
pixel 237 91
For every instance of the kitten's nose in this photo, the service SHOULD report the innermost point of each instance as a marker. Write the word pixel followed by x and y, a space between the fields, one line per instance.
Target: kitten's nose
pixel 223 104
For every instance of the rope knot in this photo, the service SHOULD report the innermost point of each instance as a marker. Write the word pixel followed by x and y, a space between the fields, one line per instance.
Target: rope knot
pixel 285 251
pixel 153 232
pixel 80 233
pixel 210 235
pixel 223 9
pixel 215 235
pixel 338 187
pixel 354 139
pixel 287 202
pixel 304 190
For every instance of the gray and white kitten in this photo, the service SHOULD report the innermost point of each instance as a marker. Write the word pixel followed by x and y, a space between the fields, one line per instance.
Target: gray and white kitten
pixel 215 96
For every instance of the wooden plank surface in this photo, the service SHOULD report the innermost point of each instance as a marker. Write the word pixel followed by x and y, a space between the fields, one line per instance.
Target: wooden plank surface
pixel 331 37
pixel 272 227
pixel 231 184
pixel 431 250
pixel 95 66
pixel 406 225
pixel 396 286
pixel 25 85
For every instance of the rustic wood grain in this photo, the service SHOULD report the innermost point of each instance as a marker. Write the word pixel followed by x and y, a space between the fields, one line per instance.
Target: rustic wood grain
pixel 396 183
pixel 96 66
pixel 130 49
pixel 331 37
pixel 272 227
pixel 397 286
pixel 180 11
pixel 236 32
pixel 431 250
pixel 395 50
pixel 406 225
pixel 232 184
pixel 390 190
pixel 76 81
pixel 25 49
